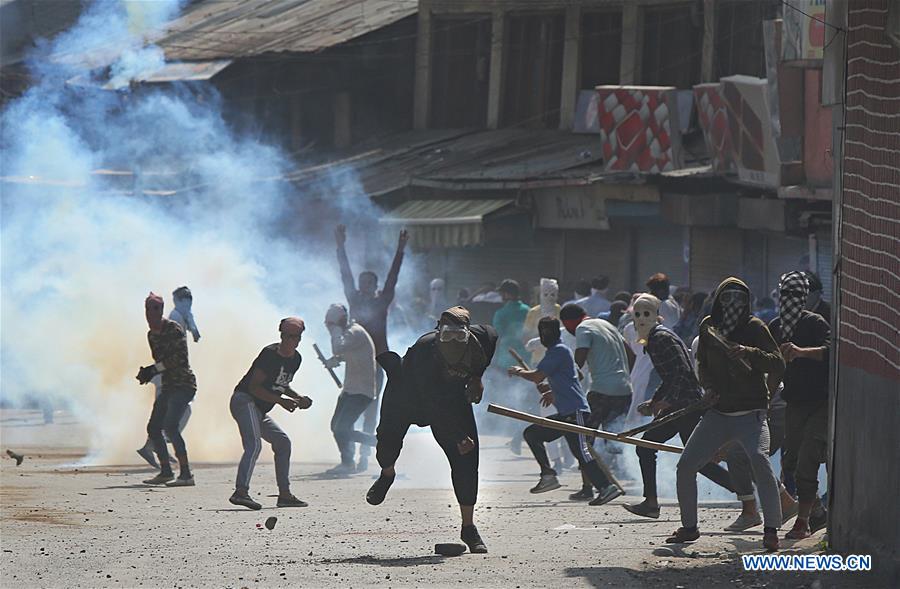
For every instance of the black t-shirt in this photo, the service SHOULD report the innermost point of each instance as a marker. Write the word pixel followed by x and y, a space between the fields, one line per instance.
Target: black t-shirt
pixel 806 380
pixel 279 372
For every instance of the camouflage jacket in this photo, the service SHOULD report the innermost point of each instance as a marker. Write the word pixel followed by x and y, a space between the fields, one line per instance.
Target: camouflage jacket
pixel 169 346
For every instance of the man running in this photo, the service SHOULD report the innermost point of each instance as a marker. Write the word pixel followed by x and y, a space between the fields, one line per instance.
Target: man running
pixel 265 385
pixel 435 384
pixel 178 387
pixel 558 368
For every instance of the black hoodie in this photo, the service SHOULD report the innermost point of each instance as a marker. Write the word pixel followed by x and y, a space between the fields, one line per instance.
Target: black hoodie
pixel 738 390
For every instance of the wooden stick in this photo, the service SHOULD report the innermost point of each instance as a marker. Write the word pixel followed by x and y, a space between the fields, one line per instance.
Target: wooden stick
pixel 578 429
pixel 667 419
pixel 519 359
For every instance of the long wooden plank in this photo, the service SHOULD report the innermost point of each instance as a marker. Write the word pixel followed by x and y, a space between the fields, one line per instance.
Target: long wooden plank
pixel 578 429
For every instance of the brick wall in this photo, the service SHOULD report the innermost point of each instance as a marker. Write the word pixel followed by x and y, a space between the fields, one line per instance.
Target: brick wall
pixel 870 228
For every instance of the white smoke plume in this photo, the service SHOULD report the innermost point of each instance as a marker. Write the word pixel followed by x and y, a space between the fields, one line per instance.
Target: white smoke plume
pixel 81 250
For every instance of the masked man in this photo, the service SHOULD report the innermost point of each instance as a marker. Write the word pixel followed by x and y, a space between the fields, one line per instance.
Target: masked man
pixel 804 338
pixel 678 389
pixel 181 315
pixel 437 300
pixel 566 395
pixel 369 307
pixel 178 387
pixel 265 385
pixel 735 354
pixel 351 345
pixel 435 384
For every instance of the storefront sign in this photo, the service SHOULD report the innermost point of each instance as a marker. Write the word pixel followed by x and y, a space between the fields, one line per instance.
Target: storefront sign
pixel 570 209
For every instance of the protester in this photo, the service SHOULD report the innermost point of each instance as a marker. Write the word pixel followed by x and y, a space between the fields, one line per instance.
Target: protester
pixel 658 286
pixel 434 385
pixel 642 370
pixel 582 289
pixel 509 321
pixel 566 395
pixel 735 354
pixel 804 338
pixel 352 346
pixel 266 384
pixel 181 315
pixel 679 388
pixel 596 302
pixel 369 308
pixel 814 301
pixel 547 307
pixel 437 298
pixel 602 347
pixel 687 326
pixel 614 315
pixel 178 386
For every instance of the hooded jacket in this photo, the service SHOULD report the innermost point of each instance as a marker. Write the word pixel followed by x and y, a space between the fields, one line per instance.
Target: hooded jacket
pixel 738 390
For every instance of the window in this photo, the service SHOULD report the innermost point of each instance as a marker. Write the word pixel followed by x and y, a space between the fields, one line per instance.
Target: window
pixel 672 46
pixel 738 37
pixel 601 48
pixel 533 51
pixel 460 66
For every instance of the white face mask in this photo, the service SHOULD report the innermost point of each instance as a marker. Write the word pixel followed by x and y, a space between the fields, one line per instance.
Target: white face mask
pixel 645 312
pixel 549 296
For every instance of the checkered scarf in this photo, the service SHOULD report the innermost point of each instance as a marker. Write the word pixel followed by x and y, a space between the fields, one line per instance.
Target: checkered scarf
pixel 792 292
pixel 731 314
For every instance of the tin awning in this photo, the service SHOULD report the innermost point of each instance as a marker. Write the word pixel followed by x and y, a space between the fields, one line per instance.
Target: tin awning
pixel 443 223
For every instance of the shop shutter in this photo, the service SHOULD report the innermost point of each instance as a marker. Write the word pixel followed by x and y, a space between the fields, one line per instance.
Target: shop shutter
pixel 661 249
pixel 716 253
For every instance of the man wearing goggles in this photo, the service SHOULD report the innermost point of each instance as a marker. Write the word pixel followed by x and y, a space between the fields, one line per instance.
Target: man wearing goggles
pixel 435 384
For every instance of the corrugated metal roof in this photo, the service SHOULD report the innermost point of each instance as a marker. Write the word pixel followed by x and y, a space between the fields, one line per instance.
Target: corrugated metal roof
pixel 442 223
pixel 241 28
pixel 464 159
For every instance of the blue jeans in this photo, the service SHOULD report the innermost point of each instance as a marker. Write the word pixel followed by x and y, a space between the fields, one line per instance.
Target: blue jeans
pixel 346 412
pixel 168 409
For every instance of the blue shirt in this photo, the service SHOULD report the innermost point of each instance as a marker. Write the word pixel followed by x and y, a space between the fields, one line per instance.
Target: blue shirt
pixel 559 366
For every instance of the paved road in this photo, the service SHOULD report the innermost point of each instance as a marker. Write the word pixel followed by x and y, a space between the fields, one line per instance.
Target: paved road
pixel 65 525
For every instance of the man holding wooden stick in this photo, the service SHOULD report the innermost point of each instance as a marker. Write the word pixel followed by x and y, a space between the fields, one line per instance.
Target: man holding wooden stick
pixel 679 389
pixel 565 393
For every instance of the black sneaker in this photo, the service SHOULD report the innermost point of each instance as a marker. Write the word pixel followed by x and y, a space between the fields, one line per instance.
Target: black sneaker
pixel 244 500
pixel 147 454
pixel 585 494
pixel 378 490
pixel 470 536
pixel 160 479
pixel 548 482
pixel 643 510
pixel 290 501
pixel 818 519
pixel 606 495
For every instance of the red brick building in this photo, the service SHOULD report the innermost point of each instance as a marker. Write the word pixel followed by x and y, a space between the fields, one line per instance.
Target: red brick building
pixel 866 367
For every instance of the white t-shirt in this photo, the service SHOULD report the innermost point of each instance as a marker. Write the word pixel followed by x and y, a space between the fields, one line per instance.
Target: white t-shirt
pixel 356 349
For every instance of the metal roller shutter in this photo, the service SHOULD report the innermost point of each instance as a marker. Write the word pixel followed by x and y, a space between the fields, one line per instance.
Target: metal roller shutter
pixel 824 261
pixel 592 253
pixel 716 253
pixel 661 249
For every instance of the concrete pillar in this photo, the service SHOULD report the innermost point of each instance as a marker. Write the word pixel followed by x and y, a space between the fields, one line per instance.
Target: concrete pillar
pixel 707 64
pixel 422 98
pixel 571 67
pixel 632 39
pixel 495 80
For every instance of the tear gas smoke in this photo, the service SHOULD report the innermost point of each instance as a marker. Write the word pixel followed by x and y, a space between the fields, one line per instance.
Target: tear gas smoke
pixel 79 254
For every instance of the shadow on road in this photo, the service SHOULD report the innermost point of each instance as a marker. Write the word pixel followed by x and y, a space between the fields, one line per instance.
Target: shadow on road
pixel 388 562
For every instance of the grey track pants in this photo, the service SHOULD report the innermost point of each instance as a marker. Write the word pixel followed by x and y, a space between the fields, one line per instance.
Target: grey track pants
pixel 256 426
pixel 714 431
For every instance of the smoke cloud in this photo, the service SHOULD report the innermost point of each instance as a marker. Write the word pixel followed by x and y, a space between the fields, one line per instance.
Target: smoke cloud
pixel 205 208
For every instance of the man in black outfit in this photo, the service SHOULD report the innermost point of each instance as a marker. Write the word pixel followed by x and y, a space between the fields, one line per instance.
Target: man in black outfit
pixel 435 384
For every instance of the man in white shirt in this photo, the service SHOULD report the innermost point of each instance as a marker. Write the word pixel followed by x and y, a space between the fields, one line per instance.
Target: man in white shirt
pixel 353 346
pixel 669 309
pixel 596 302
